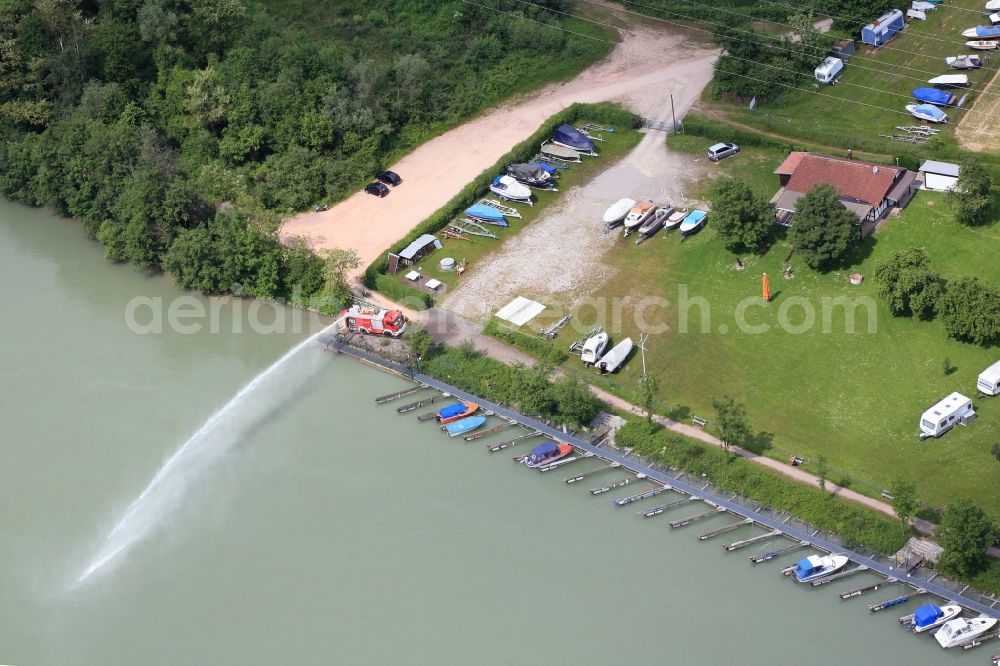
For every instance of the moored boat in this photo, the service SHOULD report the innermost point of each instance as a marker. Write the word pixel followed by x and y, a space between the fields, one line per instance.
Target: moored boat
pixel 594 347
pixel 969 61
pixel 456 411
pixel 547 453
pixel 468 424
pixel 950 80
pixel 981 44
pixel 616 212
pixel 570 137
pixel 815 567
pixel 961 630
pixel 508 188
pixel 982 32
pixel 487 214
pixel 934 96
pixel 693 222
pixel 638 214
pixel 927 112
pixel 614 358
pixel 560 152
pixel 929 617
pixel 653 224
pixel 675 218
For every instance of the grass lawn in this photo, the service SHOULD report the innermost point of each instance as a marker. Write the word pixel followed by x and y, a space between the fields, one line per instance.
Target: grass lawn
pixel 616 145
pixel 853 397
pixel 853 112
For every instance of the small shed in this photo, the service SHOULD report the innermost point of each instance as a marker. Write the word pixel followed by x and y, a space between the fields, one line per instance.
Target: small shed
pixel 883 29
pixel 938 176
pixel 843 49
pixel 416 251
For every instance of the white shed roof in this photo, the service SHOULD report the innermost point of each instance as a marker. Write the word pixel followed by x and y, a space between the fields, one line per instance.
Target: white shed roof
pixel 943 168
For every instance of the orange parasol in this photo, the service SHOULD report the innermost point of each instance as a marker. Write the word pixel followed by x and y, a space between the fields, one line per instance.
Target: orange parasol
pixel 766 290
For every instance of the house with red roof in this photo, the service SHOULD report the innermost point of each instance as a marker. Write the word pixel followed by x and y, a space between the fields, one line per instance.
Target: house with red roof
pixel 868 190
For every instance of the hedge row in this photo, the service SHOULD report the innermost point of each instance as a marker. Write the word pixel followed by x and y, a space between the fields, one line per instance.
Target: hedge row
pixel 401 293
pixel 608 114
pixel 543 350
pixel 856 525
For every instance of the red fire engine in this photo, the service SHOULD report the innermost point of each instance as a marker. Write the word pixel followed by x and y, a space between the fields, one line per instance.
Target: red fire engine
pixel 375 320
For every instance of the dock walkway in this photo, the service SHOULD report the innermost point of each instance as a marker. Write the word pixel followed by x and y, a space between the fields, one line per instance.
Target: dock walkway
pixel 723 502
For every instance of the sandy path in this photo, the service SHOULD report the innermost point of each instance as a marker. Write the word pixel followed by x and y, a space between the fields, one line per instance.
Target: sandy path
pixel 977 131
pixel 642 71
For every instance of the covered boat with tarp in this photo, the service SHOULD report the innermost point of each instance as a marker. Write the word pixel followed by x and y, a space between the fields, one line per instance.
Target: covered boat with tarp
pixel 815 567
pixel 982 32
pixel 934 96
pixel 969 61
pixel 547 453
pixel 572 138
pixel 487 214
pixel 456 411
pixel 927 112
pixel 531 175
pixel 929 617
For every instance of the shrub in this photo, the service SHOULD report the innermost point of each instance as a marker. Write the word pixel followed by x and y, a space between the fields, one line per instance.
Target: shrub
pixel 970 310
pixel 742 218
pixel 401 293
pixel 543 350
pixel 907 284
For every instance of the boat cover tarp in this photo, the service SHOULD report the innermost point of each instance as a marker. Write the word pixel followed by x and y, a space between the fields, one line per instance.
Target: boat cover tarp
pixel 526 171
pixel 929 110
pixel 695 216
pixel 574 138
pixel 451 410
pixel 933 95
pixel 416 246
pixel 547 168
pixel 484 212
pixel 543 451
pixel 926 615
pixel 985 31
pixel 804 568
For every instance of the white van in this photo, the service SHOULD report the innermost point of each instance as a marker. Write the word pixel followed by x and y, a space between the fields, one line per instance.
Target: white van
pixel 989 380
pixel 943 416
pixel 829 69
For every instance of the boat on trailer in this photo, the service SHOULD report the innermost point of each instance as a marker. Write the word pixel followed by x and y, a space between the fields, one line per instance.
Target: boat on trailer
pixel 653 224
pixel 638 215
pixel 593 347
pixel 927 112
pixel 692 222
pixel 532 175
pixel 615 358
pixel 487 214
pixel 982 44
pixel 508 211
pixel 982 32
pixel 456 412
pixel 468 424
pixel 674 219
pixel 929 617
pixel 553 162
pixel 969 61
pixel 950 80
pixel 464 225
pixel 961 630
pixel 507 187
pixel 934 96
pixel 815 567
pixel 570 137
pixel 616 212
pixel 993 5
pixel 546 453
pixel 560 152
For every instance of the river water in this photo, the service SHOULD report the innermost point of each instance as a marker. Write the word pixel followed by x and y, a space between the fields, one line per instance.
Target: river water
pixel 312 527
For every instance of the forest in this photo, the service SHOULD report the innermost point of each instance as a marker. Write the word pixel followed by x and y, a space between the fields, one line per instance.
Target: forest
pixel 181 131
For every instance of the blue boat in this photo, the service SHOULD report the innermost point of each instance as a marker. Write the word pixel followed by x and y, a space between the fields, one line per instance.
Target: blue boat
pixel 468 424
pixel 547 453
pixel 815 567
pixel 927 112
pixel 693 222
pixel 487 214
pixel 934 96
pixel 929 617
pixel 982 32
pixel 571 137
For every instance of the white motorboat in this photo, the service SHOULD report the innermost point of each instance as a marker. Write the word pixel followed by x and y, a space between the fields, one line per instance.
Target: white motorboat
pixel 638 214
pixel 927 112
pixel 675 218
pixel 507 187
pixel 693 221
pixel 815 567
pixel 616 212
pixel 993 5
pixel 929 617
pixel 653 224
pixel 961 630
pixel 950 80
pixel 982 44
pixel 594 347
pixel 614 358
pixel 982 32
pixel 971 61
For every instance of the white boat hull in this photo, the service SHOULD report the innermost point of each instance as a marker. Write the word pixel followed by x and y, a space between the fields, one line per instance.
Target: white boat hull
pixel 617 211
pixel 614 358
pixel 960 631
pixel 593 348
pixel 950 613
pixel 834 563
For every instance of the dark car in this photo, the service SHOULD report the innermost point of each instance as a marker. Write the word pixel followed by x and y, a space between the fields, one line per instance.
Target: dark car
pixel 389 178
pixel 378 189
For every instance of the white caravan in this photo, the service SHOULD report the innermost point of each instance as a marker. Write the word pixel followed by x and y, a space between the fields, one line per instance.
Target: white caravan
pixel 943 416
pixel 989 380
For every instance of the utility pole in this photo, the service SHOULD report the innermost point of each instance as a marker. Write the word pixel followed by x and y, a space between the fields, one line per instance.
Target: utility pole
pixel 642 348
pixel 672 113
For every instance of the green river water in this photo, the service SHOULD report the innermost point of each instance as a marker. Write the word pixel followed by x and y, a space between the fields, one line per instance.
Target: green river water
pixel 312 527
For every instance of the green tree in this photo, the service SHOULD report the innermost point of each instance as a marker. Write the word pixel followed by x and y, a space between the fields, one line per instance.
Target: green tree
pixel 419 341
pixel 731 424
pixel 823 230
pixel 907 285
pixel 649 387
pixel 822 471
pixel 336 265
pixel 965 532
pixel 207 99
pixel 904 499
pixel 970 310
pixel 972 193
pixel 742 218
pixel 576 402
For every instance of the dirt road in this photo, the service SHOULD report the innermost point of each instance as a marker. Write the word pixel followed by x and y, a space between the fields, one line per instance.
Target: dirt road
pixel 977 130
pixel 641 72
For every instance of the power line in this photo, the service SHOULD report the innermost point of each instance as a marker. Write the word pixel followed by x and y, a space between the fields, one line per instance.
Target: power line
pixel 845 18
pixel 789 50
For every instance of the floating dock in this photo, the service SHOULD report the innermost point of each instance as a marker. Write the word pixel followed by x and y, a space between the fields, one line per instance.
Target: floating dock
pixel 897 601
pixel 736 545
pixel 868 588
pixel 489 431
pixel 617 484
pixel 657 510
pixel 416 405
pixel 565 461
pixel 693 519
pixel 839 575
pixel 493 448
pixel 382 399
pixel 641 496
pixel 604 468
pixel 770 555
pixel 724 529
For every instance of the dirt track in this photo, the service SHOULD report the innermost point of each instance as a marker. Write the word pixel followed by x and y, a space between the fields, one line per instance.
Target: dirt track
pixel 978 131
pixel 641 72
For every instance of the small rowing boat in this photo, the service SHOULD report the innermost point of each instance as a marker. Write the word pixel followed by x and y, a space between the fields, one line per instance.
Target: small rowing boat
pixel 456 411
pixel 468 424
pixel 982 44
pixel 675 219
pixel 693 222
